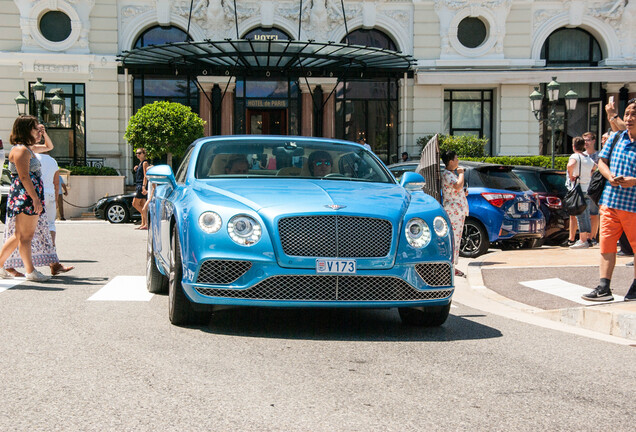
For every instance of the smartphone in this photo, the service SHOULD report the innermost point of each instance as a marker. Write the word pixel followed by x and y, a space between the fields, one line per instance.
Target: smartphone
pixel 611 99
pixel 619 178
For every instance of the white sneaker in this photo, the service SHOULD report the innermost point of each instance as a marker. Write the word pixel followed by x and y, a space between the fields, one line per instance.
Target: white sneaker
pixel 5 274
pixel 36 276
pixel 580 245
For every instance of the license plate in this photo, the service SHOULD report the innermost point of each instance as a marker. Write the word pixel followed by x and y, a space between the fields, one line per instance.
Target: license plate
pixel 524 227
pixel 336 266
pixel 523 207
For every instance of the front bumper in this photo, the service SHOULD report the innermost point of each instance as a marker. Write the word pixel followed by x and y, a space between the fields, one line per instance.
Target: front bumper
pixel 267 284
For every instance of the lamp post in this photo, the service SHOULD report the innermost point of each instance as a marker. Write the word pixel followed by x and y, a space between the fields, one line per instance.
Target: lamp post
pixel 39 95
pixel 536 100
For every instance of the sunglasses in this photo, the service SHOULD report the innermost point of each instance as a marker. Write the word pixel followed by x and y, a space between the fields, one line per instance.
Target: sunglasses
pixel 324 162
pixel 140 153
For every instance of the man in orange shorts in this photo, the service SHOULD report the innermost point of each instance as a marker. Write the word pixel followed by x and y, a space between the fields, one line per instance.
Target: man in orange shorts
pixel 618 203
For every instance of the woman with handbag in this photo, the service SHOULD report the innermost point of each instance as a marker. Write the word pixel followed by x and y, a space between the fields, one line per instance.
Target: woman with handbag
pixel 580 168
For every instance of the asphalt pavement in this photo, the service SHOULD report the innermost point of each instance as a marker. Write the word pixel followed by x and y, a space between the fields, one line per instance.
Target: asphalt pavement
pixel 548 282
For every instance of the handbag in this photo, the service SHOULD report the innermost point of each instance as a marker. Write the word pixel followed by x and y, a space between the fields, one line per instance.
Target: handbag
pixel 598 181
pixel 574 201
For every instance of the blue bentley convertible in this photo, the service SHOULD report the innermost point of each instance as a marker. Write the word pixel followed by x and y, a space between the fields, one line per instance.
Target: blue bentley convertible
pixel 278 221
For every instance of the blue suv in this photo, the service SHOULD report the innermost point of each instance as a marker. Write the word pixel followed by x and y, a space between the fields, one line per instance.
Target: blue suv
pixel 502 209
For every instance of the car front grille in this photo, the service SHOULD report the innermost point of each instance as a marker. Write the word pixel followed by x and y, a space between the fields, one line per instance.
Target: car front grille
pixel 435 274
pixel 335 236
pixel 222 271
pixel 329 288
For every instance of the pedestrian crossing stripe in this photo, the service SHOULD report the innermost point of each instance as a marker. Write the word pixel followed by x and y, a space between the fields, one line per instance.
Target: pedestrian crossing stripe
pixel 560 288
pixel 123 288
pixel 5 284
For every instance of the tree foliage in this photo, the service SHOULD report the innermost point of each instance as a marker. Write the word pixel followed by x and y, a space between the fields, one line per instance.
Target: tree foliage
pixel 164 128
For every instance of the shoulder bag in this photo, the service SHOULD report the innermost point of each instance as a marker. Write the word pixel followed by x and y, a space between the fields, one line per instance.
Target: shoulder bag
pixel 598 181
pixel 574 201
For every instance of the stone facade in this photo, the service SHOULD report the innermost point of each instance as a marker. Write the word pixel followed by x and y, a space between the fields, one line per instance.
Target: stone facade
pixel 508 62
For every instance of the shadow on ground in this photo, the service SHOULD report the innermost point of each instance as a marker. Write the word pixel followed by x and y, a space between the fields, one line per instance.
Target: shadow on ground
pixel 341 324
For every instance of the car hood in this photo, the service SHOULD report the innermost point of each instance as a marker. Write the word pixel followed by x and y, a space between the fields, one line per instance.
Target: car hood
pixel 272 197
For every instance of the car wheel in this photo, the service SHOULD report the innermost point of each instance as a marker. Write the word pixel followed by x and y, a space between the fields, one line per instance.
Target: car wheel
pixel 117 213
pixel 156 282
pixel 474 239
pixel 180 310
pixel 429 316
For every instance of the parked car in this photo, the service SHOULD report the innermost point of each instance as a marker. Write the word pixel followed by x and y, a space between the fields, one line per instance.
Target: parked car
pixel 549 186
pixel 503 211
pixel 117 209
pixel 329 227
pixel 398 169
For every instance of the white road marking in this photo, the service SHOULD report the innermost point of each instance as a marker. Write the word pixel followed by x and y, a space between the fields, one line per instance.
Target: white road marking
pixel 5 284
pixel 123 288
pixel 563 289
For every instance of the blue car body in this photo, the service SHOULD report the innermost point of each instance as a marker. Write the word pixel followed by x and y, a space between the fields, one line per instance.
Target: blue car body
pixel 518 218
pixel 304 225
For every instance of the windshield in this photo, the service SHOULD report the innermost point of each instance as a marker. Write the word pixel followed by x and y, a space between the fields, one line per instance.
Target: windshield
pixel 555 183
pixel 532 180
pixel 286 158
pixel 497 178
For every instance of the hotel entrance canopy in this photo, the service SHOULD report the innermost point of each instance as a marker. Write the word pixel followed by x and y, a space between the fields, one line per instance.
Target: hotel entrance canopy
pixel 265 58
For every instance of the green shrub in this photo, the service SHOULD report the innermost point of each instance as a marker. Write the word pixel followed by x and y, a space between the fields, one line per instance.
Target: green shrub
pixel 464 146
pixel 560 162
pixel 91 171
pixel 164 128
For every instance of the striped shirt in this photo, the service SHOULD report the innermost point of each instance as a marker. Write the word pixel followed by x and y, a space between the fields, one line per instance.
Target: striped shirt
pixel 623 162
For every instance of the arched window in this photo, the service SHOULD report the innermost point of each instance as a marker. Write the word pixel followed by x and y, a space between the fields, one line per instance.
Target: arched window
pixel 149 88
pixel 571 47
pixel 368 108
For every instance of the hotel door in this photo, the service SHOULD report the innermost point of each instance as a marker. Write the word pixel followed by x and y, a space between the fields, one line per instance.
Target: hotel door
pixel 266 122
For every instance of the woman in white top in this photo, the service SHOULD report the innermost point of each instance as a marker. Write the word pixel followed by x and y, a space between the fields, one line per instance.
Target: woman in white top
pixel 580 167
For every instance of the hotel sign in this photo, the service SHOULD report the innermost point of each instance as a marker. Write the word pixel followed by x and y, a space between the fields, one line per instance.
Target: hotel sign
pixel 266 103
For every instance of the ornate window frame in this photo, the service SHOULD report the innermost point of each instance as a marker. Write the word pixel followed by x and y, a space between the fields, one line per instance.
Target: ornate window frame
pixel 38 11
pixel 491 34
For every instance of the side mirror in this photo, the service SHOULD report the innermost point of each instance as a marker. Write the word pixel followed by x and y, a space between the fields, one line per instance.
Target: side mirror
pixel 161 174
pixel 412 181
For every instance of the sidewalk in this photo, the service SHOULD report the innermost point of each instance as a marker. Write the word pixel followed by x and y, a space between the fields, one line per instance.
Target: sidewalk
pixel 547 282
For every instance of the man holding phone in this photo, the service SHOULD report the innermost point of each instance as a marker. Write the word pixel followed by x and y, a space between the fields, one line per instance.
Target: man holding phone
pixel 618 203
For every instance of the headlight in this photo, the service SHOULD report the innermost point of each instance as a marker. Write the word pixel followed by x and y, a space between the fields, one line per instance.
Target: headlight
pixel 440 226
pixel 210 222
pixel 244 230
pixel 100 202
pixel 418 234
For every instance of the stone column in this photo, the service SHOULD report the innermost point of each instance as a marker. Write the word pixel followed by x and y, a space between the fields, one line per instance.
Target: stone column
pixel 205 108
pixel 306 109
pixel 329 109
pixel 227 111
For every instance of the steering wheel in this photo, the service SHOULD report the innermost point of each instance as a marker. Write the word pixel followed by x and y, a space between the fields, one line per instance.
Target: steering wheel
pixel 335 175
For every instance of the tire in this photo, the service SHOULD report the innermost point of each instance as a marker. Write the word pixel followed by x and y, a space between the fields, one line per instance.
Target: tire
pixel 156 282
pixel 474 240
pixel 117 213
pixel 430 316
pixel 180 310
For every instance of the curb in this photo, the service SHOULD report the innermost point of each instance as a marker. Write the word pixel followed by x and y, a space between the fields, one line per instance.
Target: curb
pixel 613 319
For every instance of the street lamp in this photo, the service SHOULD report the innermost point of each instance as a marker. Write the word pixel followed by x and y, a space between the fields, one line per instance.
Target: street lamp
pixel 536 99
pixel 39 93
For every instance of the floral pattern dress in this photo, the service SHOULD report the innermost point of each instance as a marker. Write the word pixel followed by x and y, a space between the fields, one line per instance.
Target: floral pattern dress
pixel 42 249
pixel 456 206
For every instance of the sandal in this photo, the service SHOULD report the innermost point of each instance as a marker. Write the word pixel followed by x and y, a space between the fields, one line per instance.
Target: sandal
pixel 58 268
pixel 13 272
pixel 459 273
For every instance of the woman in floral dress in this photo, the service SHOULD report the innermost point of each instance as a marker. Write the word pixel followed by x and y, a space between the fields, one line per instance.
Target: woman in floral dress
pixel 25 202
pixel 455 202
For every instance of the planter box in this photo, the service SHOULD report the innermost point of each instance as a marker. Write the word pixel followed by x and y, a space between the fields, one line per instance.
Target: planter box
pixel 85 191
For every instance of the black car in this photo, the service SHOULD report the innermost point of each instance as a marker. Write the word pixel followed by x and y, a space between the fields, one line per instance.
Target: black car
pixel 117 209
pixel 549 185
pixel 5 185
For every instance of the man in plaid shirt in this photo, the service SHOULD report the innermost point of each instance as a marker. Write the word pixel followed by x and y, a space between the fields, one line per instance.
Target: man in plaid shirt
pixel 618 203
